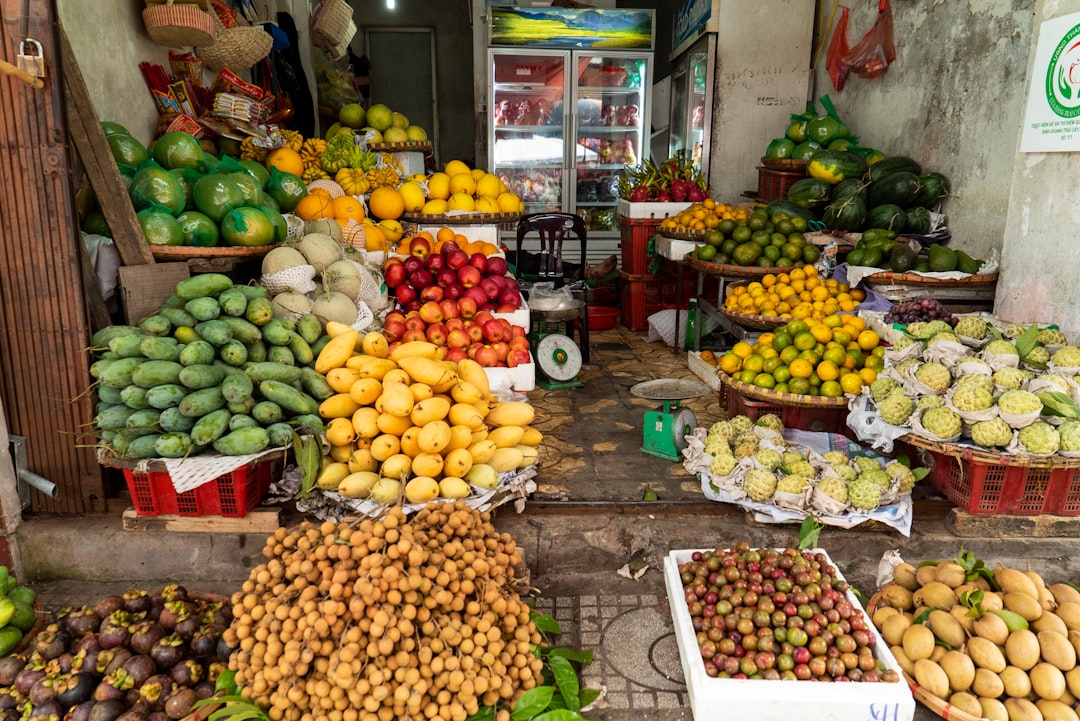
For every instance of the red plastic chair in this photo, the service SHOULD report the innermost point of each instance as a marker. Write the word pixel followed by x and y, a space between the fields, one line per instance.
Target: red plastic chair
pixel 557 233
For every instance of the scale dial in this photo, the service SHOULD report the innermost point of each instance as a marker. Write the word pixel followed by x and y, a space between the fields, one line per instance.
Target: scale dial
pixel 558 357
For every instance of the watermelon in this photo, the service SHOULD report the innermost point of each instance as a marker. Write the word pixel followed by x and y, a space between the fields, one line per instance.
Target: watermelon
pixel 893 164
pixel 247 226
pixel 177 149
pixel 832 166
pixel 199 229
pixel 917 220
pixel 160 227
pixel 127 150
pixel 809 192
pixel 888 216
pixel 933 188
pixel 217 195
pixel 790 209
pixel 849 186
pixel 845 214
pixel 153 185
pixel 898 188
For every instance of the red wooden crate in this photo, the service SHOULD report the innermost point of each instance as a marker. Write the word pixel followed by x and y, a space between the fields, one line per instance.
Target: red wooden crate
pixel 231 495
pixel 639 298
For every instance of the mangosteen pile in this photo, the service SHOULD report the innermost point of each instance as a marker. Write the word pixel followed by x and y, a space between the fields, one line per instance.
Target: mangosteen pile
pixel 138 657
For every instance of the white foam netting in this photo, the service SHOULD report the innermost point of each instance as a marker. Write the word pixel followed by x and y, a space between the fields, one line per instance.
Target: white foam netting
pixel 296 227
pixel 330 186
pixel 298 279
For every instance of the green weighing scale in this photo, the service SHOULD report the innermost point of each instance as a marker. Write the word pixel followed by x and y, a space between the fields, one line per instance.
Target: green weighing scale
pixel 665 430
pixel 558 359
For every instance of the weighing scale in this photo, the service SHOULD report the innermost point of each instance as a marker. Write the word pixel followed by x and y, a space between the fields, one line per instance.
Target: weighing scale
pixel 665 430
pixel 558 359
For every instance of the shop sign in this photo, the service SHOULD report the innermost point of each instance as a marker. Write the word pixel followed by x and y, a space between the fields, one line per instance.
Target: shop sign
pixel 555 27
pixel 1052 115
pixel 690 18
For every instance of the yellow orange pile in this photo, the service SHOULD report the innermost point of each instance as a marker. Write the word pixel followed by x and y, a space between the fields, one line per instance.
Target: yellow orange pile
pixel 473 190
pixel 703 216
pixel 799 293
pixel 445 236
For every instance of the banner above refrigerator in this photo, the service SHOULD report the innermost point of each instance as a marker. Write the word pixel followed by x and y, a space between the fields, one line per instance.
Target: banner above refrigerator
pixel 552 27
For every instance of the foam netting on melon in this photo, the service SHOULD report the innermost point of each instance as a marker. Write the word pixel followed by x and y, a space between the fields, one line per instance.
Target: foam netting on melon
pixel 298 279
pixel 371 292
pixel 296 227
pixel 364 317
pixel 332 187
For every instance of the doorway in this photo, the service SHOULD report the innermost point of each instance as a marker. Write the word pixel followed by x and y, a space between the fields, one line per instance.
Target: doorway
pixel 404 58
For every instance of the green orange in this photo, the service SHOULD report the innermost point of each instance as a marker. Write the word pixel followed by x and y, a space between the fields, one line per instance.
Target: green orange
pixel 771 364
pixel 831 389
pixel 800 368
pixel 804 341
pixel 764 380
pixel 799 386
pixel 753 363
pixel 789 354
pixel 747 376
pixel 781 340
pixel 782 374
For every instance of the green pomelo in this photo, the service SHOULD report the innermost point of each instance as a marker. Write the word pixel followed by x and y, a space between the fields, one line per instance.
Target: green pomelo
pixel 159 227
pixel 217 194
pixel 247 226
pixel 177 149
pixel 199 229
pixel 152 185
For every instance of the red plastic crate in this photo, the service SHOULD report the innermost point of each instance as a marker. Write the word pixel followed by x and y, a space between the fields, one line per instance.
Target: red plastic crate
pixel 635 234
pixel 991 488
pixel 231 495
pixel 638 299
pixel 774 184
pixel 802 418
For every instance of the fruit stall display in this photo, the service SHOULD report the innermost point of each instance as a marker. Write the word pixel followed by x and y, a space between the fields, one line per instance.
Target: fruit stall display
pixel 383 618
pixel 674 180
pixel 757 241
pixel 982 643
pixel 745 613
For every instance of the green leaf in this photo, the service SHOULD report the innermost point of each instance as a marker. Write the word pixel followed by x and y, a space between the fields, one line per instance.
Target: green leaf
pixel 923 615
pixel 920 473
pixel 904 460
pixel 859 595
pixel 1026 342
pixel 545 623
pixel 1059 404
pixel 532 702
pixel 309 461
pixel 567 681
pixel 588 696
pixel 972 599
pixel 809 532
pixel 650 495
pixel 485 714
pixel 560 715
pixel 578 656
pixel 927 563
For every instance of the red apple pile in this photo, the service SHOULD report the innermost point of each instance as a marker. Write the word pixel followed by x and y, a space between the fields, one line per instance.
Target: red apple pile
pixel 449 299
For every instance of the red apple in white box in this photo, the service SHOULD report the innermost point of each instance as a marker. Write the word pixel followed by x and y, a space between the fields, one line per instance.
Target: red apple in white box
pixel 469 276
pixel 436 333
pixel 458 339
pixel 457 258
pixel 433 293
pixel 476 334
pixel 501 350
pixel 412 335
pixel 497 265
pixel 517 357
pixel 517 331
pixel 453 290
pixel 491 287
pixel 394 329
pixel 394 273
pixel 412 264
pixel 446 277
pixel 493 331
pixel 466 307
pixel 486 356
pixel 449 308
pixel 405 294
pixel 477 294
pixel 430 312
pixel 518 342
pixel 421 278
pixel 478 261
pixel 456 354
pixel 436 262
pixel 511 297
pixel 420 247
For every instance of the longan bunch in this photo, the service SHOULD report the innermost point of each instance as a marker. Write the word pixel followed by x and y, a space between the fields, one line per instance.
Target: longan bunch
pixel 385 618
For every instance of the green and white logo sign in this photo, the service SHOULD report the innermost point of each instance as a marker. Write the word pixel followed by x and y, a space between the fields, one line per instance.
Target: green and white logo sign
pixel 1052 115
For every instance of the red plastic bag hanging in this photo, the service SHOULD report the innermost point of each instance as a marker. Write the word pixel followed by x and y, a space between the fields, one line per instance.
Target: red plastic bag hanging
pixel 838 47
pixel 875 51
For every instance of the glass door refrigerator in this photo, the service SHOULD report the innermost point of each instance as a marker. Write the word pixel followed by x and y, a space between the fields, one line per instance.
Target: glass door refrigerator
pixel 693 71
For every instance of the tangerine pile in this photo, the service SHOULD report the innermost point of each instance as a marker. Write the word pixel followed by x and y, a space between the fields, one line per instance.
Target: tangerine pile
pixel 703 216
pixel 829 357
pixel 798 293
pixel 447 235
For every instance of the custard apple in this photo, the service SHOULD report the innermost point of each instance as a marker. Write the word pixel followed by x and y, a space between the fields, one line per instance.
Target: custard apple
pixel 973 396
pixel 759 484
pixel 723 465
pixel 991 433
pixel 882 387
pixel 771 421
pixel 1019 402
pixel 935 376
pixel 793 483
pixel 902 342
pixel 1037 356
pixel 864 464
pixel 801 467
pixel 745 448
pixel 944 335
pixel 768 458
pixel 740 423
pixel 1010 378
pixel 932 328
pixel 971 326
pixel 878 476
pixel 717 446
pixel 978 380
pixel 1069 433
pixel 845 471
pixel 792 457
pixel 1066 356
pixel 833 457
pixel 835 488
pixel 941 422
pixel 896 408
pixel 1051 336
pixel 864 494
pixel 1060 381
pixel 917 329
pixel 1000 347
pixel 722 429
pixel 929 401
pixel 1013 331
pixel 1040 438
pixel 903 474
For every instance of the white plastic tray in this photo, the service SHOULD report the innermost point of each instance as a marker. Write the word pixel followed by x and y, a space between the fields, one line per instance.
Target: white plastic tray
pixel 716 698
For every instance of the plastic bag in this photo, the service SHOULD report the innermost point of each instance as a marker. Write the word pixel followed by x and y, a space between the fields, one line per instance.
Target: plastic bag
pixel 838 48
pixel 545 296
pixel 875 51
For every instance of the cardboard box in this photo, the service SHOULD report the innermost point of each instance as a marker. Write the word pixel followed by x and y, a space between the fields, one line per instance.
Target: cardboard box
pixel 675 248
pixel 715 698
pixel 649 210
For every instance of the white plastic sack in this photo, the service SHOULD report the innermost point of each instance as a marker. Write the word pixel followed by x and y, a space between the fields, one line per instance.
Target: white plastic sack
pixel 662 326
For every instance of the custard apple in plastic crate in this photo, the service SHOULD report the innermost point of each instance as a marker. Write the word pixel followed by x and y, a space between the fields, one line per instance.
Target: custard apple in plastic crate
pixel 896 408
pixel 941 422
pixel 882 387
pixel 972 397
pixel 1039 438
pixel 902 473
pixel 723 465
pixel 1000 347
pixel 1038 356
pixel 771 421
pixel 930 401
pixel 992 433
pixel 934 375
pixel 759 484
pixel 1069 435
pixel 769 458
pixel 971 326
pixel 864 494
pixel 845 471
pixel 1019 402
pixel 835 488
pixel 1067 356
pixel 1051 336
pixel 1011 378
pixel 740 423
pixel 793 483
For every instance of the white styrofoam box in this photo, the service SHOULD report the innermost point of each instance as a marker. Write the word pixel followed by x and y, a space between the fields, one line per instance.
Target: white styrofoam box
pixel 411 161
pixel 521 378
pixel 703 370
pixel 675 248
pixel 729 698
pixel 487 232
pixel 649 210
pixel 519 317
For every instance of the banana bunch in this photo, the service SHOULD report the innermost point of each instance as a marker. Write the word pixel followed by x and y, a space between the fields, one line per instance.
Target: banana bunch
pixel 250 151
pixel 362 159
pixel 313 173
pixel 384 176
pixel 353 181
pixel 293 139
pixel 311 150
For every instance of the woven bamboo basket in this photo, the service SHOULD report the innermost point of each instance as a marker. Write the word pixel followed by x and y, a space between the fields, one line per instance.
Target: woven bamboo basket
pixel 237 48
pixel 417 146
pixel 225 251
pixel 178 25
pixel 464 218
pixel 968 453
pixel 685 234
pixel 750 320
pixel 889 277
pixel 332 26
pixel 798 400
pixel 735 271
